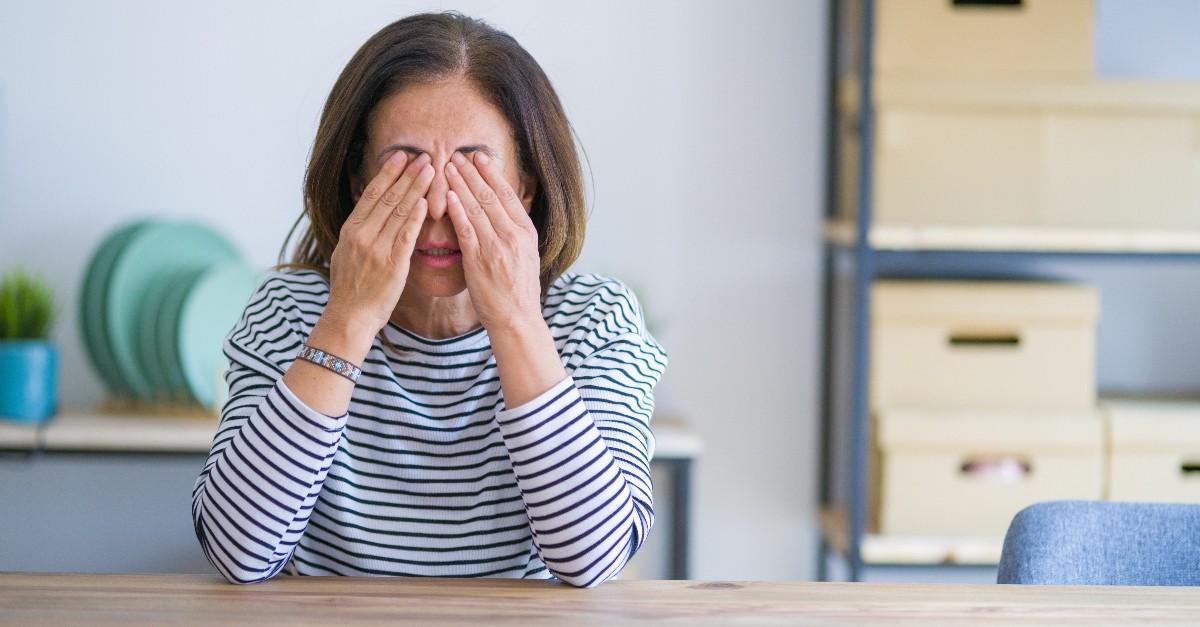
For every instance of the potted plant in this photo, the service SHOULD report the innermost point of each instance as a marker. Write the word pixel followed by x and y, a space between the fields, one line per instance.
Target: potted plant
pixel 27 357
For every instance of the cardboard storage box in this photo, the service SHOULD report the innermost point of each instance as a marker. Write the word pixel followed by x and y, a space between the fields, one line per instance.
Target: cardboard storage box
pixel 1038 39
pixel 981 345
pixel 1039 162
pixel 967 473
pixel 1154 450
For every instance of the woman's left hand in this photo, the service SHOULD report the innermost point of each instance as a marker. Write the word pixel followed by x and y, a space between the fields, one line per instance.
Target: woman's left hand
pixel 499 243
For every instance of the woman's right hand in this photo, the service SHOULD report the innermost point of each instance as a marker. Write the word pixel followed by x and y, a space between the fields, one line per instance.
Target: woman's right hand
pixel 369 266
pixel 367 273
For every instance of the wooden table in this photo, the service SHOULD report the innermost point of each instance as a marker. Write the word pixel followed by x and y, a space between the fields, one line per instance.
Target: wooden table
pixel 56 598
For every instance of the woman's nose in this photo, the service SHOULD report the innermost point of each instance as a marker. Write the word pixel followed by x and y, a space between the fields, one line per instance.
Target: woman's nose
pixel 436 197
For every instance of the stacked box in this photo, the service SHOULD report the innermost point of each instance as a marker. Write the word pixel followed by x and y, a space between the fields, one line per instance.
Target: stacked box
pixel 1041 40
pixel 983 345
pixel 968 472
pixel 985 401
pixel 992 116
pixel 1154 450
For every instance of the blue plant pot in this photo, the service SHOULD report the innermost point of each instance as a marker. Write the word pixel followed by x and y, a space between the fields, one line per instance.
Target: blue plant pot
pixel 27 380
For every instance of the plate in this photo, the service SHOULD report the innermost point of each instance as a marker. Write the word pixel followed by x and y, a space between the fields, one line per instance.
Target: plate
pixel 92 295
pixel 166 335
pixel 159 318
pixel 153 254
pixel 209 312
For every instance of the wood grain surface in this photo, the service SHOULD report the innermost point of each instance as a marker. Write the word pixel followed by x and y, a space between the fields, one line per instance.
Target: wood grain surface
pixel 55 598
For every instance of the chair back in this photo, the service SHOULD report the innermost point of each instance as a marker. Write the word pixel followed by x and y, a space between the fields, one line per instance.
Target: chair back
pixel 1103 543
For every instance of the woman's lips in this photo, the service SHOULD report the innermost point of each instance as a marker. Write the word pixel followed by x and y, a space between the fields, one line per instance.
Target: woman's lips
pixel 439 257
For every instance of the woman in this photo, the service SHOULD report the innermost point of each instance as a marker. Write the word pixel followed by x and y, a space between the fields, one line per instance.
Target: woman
pixel 424 390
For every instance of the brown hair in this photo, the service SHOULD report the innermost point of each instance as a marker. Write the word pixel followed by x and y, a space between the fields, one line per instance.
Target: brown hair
pixel 425 47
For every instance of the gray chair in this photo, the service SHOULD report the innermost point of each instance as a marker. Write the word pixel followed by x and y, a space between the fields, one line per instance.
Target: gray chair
pixel 1103 543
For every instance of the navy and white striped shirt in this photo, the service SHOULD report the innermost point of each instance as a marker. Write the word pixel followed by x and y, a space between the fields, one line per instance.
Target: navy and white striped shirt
pixel 428 474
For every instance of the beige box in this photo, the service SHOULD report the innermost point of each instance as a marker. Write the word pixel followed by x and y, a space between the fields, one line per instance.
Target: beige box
pixel 1042 39
pixel 1037 165
pixel 1154 450
pixel 982 345
pixel 967 473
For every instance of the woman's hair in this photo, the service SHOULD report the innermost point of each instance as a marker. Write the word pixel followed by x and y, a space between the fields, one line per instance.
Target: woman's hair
pixel 427 47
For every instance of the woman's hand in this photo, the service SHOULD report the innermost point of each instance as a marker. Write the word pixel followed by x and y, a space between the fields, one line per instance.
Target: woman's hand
pixel 367 273
pixel 369 266
pixel 499 244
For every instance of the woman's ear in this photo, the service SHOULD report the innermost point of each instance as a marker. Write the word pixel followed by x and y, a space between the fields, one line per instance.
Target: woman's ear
pixel 527 191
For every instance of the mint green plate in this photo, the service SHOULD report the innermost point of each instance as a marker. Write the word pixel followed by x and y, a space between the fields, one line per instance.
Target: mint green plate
pixel 92 297
pixel 160 314
pixel 155 253
pixel 212 307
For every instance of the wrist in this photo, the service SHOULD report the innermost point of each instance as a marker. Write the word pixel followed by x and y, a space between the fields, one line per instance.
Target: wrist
pixel 527 361
pixel 519 327
pixel 347 338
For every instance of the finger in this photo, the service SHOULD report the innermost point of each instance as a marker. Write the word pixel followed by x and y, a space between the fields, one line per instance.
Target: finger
pixel 482 193
pixel 388 174
pixel 395 194
pixel 468 240
pixel 493 176
pixel 398 217
pixel 406 239
pixel 487 221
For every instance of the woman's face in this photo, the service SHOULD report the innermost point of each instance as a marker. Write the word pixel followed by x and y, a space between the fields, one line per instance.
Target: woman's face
pixel 439 118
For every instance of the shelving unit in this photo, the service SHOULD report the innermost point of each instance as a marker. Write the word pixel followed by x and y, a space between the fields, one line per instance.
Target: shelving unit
pixel 857 252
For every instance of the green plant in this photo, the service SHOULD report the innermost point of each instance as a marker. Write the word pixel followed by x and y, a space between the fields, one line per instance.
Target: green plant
pixel 26 307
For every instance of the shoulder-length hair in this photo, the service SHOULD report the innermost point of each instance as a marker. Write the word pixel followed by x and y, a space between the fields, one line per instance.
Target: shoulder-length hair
pixel 426 47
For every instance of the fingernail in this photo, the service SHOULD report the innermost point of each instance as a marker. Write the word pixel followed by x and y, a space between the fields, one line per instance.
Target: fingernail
pixel 452 197
pixel 482 159
pixel 458 158
pixel 427 170
pixel 451 170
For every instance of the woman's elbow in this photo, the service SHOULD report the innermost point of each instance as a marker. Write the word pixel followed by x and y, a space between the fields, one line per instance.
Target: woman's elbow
pixel 242 575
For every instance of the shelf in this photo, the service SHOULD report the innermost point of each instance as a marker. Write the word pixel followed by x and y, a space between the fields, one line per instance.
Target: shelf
pixel 128 432
pixel 910 550
pixel 144 432
pixel 1016 239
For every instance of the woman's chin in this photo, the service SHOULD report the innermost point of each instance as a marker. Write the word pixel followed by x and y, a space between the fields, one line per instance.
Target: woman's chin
pixel 443 284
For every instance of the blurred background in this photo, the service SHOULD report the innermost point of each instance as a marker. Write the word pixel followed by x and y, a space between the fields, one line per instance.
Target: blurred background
pixel 703 128
pixel 704 125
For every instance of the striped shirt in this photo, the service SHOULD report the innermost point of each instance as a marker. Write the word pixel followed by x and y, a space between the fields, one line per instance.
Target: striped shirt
pixel 428 474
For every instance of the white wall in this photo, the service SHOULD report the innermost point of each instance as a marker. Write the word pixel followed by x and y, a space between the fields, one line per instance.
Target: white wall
pixel 703 122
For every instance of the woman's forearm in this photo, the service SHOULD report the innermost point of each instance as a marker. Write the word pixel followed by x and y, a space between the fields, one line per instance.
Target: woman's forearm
pixel 585 518
pixel 253 499
pixel 527 360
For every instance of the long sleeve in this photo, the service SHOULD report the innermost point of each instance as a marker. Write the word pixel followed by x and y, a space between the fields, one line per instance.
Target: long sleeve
pixel 270 456
pixel 581 451
pixel 427 474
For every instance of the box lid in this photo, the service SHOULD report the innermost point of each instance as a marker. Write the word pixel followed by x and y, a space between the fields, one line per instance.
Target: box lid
pixel 989 431
pixel 984 301
pixel 1145 425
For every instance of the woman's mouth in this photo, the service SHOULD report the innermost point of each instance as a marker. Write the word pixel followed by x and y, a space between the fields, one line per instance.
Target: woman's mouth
pixel 439 257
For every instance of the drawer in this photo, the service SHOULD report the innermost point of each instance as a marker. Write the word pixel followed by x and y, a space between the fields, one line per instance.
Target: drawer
pixel 979 345
pixel 967 473
pixel 1038 39
pixel 1154 450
